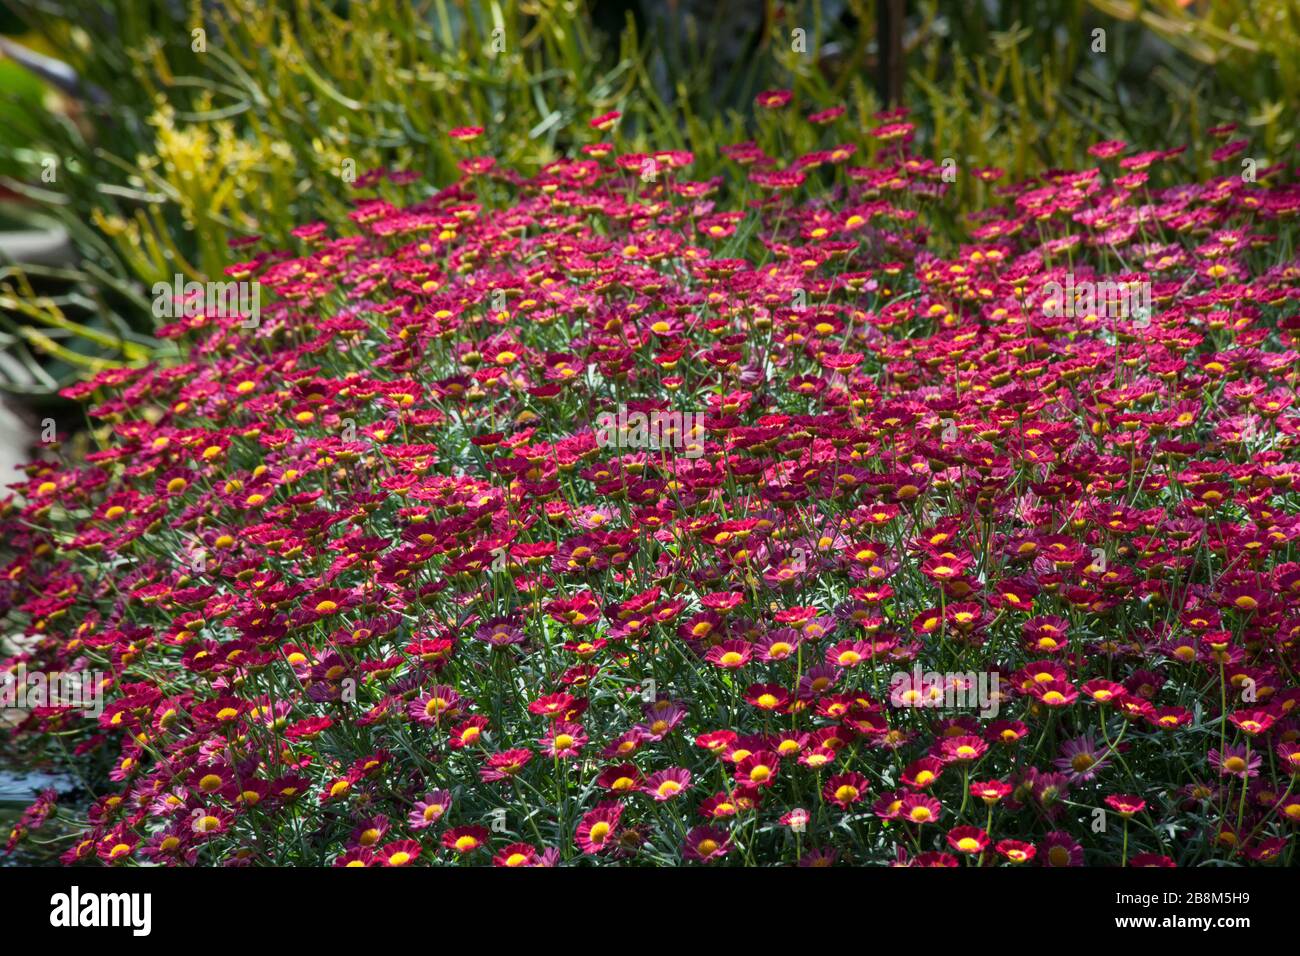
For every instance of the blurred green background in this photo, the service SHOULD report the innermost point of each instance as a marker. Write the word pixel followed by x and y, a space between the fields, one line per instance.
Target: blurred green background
pixel 138 136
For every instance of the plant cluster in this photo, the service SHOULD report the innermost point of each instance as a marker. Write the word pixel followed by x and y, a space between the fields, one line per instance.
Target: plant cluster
pixel 360 586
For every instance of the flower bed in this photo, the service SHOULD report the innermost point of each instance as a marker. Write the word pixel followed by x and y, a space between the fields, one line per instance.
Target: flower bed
pixel 608 516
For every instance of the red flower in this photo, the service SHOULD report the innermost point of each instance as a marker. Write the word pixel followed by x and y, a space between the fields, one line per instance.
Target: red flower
pixel 968 839
pixel 599 828
pixel 1125 806
pixel 667 784
pixel 1016 851
pixel 399 853
pixel 706 844
pixel 845 789
pixel 773 99
pixel 505 765
pixel 465 839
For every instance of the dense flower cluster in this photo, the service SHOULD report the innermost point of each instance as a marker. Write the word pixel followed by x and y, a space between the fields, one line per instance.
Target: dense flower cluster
pixel 929 570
